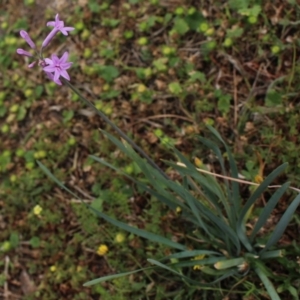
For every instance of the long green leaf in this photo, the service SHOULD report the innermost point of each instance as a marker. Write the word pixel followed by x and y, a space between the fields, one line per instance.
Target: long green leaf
pixel 272 254
pixel 293 291
pixel 58 182
pixel 207 181
pixel 192 253
pixel 234 173
pixel 267 283
pixel 229 263
pixel 203 262
pixel 114 276
pixel 240 230
pixel 226 201
pixel 163 266
pixel 197 283
pixel 209 192
pixel 165 197
pixel 282 224
pixel 191 201
pixel 268 209
pixel 142 233
pixel 226 230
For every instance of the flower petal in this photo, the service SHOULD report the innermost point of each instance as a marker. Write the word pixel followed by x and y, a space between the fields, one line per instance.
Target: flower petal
pixel 51 23
pixel 69 28
pixel 32 65
pixel 65 74
pixel 55 58
pixel 49 69
pixel 64 58
pixel 48 61
pixel 56 75
pixel 66 65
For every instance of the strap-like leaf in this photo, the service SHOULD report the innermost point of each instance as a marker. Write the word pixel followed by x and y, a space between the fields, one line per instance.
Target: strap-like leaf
pixel 267 283
pixel 142 233
pixel 113 276
pixel 272 254
pixel 240 230
pixel 205 261
pixel 226 201
pixel 192 253
pixel 268 209
pixel 159 264
pixel 164 196
pixel 234 173
pixel 229 263
pixel 282 224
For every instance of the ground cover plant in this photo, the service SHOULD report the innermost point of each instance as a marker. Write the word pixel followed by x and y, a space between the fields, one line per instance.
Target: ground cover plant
pixel 161 71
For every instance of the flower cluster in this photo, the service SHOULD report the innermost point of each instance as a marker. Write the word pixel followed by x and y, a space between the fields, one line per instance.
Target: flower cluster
pixel 54 67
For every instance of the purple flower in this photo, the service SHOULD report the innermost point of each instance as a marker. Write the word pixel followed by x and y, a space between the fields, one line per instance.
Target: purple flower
pixel 58 66
pixel 26 37
pixel 23 52
pixel 58 26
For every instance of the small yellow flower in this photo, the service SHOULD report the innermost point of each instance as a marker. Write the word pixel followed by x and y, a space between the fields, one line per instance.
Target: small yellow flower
pixel 198 162
pixel 141 88
pixel 178 210
pixel 37 210
pixel 198 257
pixel 258 178
pixel 120 238
pixel 53 268
pixel 102 250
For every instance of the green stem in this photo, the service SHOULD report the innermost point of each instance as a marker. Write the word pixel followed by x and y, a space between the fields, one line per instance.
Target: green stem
pixel 115 127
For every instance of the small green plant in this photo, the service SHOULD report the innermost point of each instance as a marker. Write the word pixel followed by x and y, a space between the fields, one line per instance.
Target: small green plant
pixel 218 215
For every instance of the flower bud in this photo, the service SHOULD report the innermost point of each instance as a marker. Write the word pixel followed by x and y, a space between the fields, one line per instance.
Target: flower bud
pixel 28 40
pixel 23 52
pixel 49 37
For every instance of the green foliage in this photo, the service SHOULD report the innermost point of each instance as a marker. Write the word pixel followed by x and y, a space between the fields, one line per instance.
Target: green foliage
pixel 243 49
pixel 108 72
pixel 219 217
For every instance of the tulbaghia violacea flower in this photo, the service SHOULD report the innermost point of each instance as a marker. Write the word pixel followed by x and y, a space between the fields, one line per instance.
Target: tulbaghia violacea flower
pixel 56 67
pixel 27 38
pixel 58 26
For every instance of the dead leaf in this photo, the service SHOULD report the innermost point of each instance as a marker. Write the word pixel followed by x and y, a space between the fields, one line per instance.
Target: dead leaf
pixel 27 285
